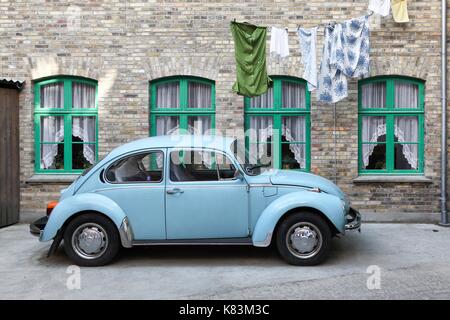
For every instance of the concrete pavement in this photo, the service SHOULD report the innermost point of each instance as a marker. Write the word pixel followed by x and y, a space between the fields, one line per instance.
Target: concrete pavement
pixel 413 262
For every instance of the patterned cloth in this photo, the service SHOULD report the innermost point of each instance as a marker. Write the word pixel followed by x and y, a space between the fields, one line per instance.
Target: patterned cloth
pixel 308 39
pixel 345 54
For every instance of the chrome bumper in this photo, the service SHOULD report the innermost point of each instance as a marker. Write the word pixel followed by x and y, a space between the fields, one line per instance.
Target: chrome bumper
pixel 353 220
pixel 38 226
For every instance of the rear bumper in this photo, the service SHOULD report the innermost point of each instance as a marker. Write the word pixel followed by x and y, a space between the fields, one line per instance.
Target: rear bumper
pixel 38 226
pixel 353 220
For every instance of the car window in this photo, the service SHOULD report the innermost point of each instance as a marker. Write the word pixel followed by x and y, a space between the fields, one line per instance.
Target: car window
pixel 200 165
pixel 142 167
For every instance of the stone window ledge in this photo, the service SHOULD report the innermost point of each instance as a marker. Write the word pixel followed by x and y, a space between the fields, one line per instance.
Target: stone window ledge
pixel 392 179
pixel 52 178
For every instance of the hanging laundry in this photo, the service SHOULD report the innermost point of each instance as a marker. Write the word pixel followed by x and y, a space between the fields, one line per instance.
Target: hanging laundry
pixel 250 53
pixel 308 39
pixel 346 53
pixel 400 10
pixel 381 7
pixel 279 44
pixel 351 47
pixel 331 83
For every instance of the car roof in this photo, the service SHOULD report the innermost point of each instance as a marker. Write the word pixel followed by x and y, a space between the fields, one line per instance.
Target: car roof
pixel 184 140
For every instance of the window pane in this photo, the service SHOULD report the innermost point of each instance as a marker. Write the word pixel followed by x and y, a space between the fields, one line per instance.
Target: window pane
pixel 293 129
pixel 374 156
pixel 52 156
pixel 374 95
pixel 193 165
pixel 406 156
pixel 83 155
pixel 52 129
pixel 406 95
pixel 293 156
pixel 261 153
pixel 143 167
pixel 52 95
pixel 294 95
pixel 406 129
pixel 199 124
pixel 167 125
pixel 225 166
pixel 83 129
pixel 373 128
pixel 260 128
pixel 264 101
pixel 199 95
pixel 168 95
pixel 83 96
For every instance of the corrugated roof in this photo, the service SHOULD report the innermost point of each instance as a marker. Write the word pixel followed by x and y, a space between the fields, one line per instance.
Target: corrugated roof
pixel 11 83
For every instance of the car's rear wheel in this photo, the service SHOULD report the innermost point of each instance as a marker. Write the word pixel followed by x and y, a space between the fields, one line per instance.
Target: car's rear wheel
pixel 91 240
pixel 303 239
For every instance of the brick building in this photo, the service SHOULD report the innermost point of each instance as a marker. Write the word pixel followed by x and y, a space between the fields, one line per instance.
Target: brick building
pixel 100 64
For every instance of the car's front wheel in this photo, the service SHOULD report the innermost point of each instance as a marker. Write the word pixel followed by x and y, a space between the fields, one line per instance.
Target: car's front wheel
pixel 303 239
pixel 91 240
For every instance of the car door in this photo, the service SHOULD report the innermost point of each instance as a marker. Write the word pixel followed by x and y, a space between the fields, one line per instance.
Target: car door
pixel 136 183
pixel 204 197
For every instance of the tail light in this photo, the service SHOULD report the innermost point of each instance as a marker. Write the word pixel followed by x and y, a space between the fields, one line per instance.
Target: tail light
pixel 50 206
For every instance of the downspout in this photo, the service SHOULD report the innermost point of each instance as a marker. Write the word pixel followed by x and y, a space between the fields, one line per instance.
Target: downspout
pixel 444 151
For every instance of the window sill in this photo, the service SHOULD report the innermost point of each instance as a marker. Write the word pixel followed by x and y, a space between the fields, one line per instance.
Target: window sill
pixel 52 178
pixel 391 179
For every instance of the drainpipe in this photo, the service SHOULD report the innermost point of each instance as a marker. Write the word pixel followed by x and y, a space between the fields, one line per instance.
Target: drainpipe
pixel 444 151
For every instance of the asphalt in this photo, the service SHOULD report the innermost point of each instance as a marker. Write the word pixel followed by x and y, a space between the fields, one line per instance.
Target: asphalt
pixel 413 261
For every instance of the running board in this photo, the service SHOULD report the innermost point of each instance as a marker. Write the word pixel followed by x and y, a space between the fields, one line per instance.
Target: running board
pixel 201 242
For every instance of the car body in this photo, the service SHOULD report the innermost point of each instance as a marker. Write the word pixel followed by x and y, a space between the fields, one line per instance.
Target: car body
pixel 146 193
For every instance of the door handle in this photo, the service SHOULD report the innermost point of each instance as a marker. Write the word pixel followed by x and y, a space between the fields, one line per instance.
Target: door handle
pixel 174 191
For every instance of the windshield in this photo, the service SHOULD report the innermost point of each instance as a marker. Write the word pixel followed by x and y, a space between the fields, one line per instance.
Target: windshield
pixel 250 162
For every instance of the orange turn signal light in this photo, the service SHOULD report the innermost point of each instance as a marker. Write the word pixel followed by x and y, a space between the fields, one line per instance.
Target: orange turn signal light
pixel 50 206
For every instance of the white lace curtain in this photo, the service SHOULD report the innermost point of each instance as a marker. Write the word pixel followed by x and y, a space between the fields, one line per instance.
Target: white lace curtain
pixel 261 129
pixel 374 95
pixel 52 95
pixel 294 130
pixel 83 96
pixel 167 125
pixel 199 124
pixel 264 101
pixel 405 130
pixel 52 130
pixel 406 95
pixel 84 128
pixel 168 95
pixel 294 95
pixel 199 95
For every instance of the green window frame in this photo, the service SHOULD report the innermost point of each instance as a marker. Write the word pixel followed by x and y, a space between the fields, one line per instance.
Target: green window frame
pixel 67 112
pixel 277 112
pixel 390 112
pixel 183 112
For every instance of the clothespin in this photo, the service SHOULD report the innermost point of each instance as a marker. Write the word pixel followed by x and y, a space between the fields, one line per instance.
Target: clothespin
pixel 369 13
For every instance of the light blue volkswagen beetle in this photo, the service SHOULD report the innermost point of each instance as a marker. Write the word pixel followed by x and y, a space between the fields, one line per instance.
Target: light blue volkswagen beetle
pixel 193 190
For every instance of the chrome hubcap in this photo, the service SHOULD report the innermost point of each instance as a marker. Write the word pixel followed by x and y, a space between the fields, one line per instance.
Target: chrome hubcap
pixel 304 240
pixel 89 241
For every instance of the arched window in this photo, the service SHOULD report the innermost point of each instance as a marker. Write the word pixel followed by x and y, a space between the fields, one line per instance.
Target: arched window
pixel 391 123
pixel 278 124
pixel 186 103
pixel 65 122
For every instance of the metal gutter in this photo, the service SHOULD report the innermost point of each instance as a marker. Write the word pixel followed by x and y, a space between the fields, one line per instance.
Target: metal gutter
pixel 444 147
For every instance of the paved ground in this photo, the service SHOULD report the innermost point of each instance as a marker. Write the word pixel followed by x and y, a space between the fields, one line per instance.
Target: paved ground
pixel 414 262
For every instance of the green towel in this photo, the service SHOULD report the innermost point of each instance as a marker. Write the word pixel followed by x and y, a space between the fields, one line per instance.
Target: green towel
pixel 250 51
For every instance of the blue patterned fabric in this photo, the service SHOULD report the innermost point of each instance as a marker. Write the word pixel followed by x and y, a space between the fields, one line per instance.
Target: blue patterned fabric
pixel 346 53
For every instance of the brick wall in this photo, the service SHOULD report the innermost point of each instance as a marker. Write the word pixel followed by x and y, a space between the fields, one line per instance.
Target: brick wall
pixel 124 44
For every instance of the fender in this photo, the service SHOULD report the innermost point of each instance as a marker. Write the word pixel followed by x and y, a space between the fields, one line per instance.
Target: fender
pixel 87 202
pixel 331 206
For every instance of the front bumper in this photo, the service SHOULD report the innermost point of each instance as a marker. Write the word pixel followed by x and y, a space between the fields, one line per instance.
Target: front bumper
pixel 38 226
pixel 353 220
